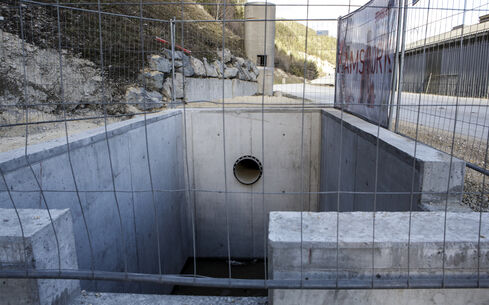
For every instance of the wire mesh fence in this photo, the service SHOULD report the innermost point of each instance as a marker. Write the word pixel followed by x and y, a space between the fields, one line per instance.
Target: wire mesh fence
pixel 444 84
pixel 73 66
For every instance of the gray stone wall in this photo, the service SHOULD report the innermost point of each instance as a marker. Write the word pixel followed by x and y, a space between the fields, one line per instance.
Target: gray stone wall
pixel 194 79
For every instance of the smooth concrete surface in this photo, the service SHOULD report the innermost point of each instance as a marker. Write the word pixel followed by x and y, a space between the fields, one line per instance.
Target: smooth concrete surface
pixel 148 299
pixel 244 88
pixel 359 254
pixel 134 239
pixel 382 297
pixel 40 252
pixel 285 167
pixel 210 89
pixel 351 167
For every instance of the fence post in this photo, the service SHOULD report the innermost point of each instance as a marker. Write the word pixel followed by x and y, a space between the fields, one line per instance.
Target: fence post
pixel 395 70
pixel 401 66
pixel 172 31
pixel 337 60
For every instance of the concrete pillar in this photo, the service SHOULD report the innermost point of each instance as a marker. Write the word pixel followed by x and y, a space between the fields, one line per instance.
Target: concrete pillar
pixel 40 253
pixel 261 49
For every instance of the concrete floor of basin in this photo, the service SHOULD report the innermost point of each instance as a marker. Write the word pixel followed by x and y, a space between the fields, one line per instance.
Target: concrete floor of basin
pixel 218 267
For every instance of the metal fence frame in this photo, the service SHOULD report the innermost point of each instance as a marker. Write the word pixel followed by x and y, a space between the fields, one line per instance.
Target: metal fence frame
pixel 195 280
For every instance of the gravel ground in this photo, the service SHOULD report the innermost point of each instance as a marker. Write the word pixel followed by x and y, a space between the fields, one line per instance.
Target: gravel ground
pixel 92 298
pixel 14 137
pixel 464 147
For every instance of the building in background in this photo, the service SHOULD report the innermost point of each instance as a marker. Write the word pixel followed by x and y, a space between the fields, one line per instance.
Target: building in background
pixel 435 66
pixel 323 32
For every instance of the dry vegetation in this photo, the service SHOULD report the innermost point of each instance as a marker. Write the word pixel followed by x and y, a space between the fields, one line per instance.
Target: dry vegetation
pixel 125 39
pixel 122 42
pixel 290 51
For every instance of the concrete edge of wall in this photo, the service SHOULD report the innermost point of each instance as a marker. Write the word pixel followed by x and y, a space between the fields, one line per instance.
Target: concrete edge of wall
pixel 14 159
pixel 391 140
pixel 231 109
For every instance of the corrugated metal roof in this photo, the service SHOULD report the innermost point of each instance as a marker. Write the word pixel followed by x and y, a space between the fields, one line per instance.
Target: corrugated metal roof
pixel 468 30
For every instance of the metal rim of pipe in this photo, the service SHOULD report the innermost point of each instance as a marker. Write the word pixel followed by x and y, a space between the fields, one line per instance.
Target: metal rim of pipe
pixel 247 169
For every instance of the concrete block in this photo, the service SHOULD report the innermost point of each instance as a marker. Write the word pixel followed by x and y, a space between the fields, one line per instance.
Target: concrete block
pixel 41 253
pixel 388 253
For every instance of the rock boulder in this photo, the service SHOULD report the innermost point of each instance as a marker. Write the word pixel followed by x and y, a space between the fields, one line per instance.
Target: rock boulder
pixel 210 70
pixel 142 99
pixel 198 66
pixel 178 82
pixel 159 63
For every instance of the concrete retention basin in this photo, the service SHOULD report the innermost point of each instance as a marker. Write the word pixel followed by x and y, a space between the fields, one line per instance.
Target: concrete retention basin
pixel 154 228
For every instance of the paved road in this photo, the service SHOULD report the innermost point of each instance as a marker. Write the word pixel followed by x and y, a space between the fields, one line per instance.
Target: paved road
pixel 436 111
pixel 318 94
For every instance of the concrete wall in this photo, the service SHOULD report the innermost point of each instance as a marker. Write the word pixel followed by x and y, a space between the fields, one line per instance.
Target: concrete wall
pixel 93 176
pixel 245 205
pixel 357 159
pixel 210 89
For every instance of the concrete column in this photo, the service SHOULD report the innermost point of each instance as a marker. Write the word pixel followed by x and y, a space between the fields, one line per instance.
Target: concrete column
pixel 260 41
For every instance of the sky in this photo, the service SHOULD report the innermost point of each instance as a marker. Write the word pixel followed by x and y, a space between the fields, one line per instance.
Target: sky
pixel 442 16
pixel 333 10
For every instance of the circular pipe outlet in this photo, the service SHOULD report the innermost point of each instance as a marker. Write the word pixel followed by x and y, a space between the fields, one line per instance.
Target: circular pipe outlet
pixel 247 169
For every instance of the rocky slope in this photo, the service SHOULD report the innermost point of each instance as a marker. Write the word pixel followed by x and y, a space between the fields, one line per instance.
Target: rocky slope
pixel 30 75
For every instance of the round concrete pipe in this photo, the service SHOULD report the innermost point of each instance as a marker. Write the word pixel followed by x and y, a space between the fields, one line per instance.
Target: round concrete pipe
pixel 247 170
